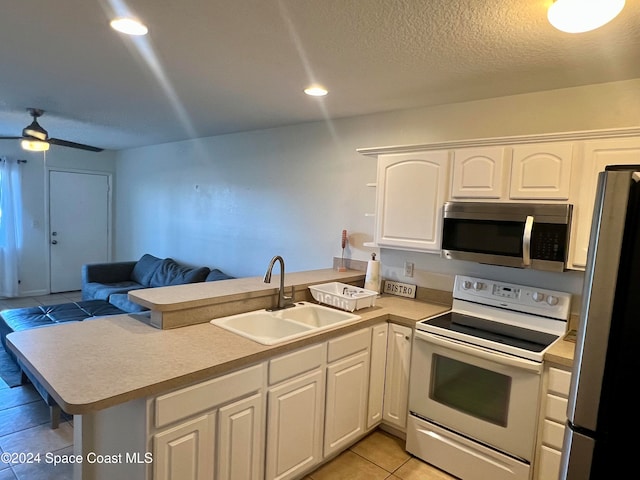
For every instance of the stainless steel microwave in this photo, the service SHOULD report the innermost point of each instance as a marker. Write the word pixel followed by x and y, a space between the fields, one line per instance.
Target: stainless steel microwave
pixel 524 235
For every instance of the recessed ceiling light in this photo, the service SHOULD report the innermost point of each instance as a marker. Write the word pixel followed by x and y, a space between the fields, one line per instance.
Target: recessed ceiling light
pixel 129 26
pixel 577 16
pixel 316 91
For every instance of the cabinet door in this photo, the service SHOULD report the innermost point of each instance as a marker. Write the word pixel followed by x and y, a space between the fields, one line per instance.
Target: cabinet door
pixel 376 374
pixel 548 463
pixel 294 426
pixel 397 376
pixel 345 415
pixel 479 173
pixel 185 452
pixel 597 155
pixel 541 171
pixel 411 191
pixel 240 440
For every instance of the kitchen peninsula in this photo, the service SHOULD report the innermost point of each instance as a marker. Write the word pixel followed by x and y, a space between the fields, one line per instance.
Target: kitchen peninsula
pixel 124 380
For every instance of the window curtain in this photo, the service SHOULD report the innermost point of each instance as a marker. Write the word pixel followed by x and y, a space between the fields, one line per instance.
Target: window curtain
pixel 10 226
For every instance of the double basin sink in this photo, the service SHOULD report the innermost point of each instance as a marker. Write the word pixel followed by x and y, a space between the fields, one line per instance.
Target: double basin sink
pixel 273 327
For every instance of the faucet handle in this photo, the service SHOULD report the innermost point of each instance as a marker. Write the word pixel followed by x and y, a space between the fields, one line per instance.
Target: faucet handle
pixel 290 301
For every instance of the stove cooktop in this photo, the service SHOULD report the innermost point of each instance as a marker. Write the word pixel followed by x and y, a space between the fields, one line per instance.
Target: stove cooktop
pixel 458 325
pixel 512 319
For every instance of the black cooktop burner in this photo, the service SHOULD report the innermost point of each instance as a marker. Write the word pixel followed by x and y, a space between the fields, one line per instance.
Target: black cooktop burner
pixel 524 338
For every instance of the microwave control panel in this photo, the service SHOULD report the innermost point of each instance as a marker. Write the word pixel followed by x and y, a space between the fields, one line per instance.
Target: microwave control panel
pixel 548 242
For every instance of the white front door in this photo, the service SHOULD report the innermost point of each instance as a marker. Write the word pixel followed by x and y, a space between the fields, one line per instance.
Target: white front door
pixel 78 225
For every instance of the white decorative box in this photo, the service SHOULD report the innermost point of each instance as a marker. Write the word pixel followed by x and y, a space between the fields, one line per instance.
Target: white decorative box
pixel 343 296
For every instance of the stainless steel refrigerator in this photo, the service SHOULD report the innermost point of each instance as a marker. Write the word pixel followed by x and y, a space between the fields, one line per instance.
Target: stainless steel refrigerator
pixel 604 410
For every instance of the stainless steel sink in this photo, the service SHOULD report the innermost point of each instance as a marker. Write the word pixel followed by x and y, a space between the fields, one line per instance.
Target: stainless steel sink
pixel 271 328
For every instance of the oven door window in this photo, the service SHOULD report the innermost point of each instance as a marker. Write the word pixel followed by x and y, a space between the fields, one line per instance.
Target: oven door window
pixel 482 236
pixel 473 390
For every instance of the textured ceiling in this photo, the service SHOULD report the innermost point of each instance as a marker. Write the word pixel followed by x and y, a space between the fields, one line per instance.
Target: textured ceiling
pixel 210 67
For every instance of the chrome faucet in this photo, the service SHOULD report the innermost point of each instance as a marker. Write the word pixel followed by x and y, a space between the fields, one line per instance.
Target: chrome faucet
pixel 283 302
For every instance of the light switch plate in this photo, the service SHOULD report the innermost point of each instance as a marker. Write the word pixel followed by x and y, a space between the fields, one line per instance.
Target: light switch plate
pixel 399 289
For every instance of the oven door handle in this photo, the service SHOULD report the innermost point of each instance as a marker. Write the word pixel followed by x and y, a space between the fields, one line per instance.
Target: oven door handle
pixel 479 352
pixel 526 241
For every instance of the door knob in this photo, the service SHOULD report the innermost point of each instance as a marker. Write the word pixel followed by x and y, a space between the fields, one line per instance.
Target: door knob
pixel 54 242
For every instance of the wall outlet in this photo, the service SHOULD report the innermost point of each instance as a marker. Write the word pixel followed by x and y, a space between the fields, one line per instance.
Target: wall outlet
pixel 408 269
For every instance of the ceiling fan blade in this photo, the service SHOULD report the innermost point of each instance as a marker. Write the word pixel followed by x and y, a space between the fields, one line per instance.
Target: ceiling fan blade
pixel 10 138
pixel 66 143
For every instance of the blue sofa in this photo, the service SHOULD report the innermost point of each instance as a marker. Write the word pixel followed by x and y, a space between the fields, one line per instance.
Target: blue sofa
pixel 112 281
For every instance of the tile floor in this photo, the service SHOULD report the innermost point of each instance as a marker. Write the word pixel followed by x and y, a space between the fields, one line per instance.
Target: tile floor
pixel 24 417
pixel 24 427
pixel 378 456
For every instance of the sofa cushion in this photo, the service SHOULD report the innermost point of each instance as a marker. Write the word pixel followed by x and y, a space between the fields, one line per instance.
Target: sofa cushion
pixel 144 269
pixel 216 274
pixel 121 301
pixel 102 291
pixel 171 273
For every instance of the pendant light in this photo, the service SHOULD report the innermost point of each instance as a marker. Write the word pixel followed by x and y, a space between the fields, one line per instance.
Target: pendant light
pixel 577 16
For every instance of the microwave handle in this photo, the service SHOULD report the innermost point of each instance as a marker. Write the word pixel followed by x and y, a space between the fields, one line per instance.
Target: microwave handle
pixel 526 241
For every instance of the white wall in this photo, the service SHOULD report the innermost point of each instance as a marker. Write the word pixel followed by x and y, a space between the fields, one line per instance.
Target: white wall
pixel 234 201
pixel 34 270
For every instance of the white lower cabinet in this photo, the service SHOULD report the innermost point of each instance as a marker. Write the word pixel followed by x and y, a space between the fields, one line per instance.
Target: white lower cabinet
pixel 346 402
pixel 184 451
pixel 295 412
pixel 275 420
pixel 214 429
pixel 396 391
pixel 552 422
pixel 377 366
pixel 240 439
pixel 317 403
pixel 294 426
pixel 347 388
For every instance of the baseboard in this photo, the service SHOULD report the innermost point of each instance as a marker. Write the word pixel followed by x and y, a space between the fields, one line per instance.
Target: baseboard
pixel 34 293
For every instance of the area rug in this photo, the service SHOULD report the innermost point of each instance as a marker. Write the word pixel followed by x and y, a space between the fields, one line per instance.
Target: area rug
pixel 9 371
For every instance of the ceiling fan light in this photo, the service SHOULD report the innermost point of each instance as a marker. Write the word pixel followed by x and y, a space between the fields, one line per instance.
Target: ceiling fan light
pixel 577 16
pixel 34 145
pixel 130 26
pixel 36 131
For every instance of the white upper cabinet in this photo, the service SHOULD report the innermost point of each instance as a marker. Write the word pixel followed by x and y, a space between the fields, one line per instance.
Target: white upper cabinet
pixel 479 173
pixel 412 188
pixel 519 173
pixel 541 171
pixel 597 155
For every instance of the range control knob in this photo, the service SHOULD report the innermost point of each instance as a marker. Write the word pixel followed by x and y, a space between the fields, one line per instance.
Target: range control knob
pixel 478 286
pixel 551 300
pixel 538 297
pixel 466 285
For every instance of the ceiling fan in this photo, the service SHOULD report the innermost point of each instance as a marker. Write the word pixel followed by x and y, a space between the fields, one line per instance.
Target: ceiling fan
pixel 36 138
